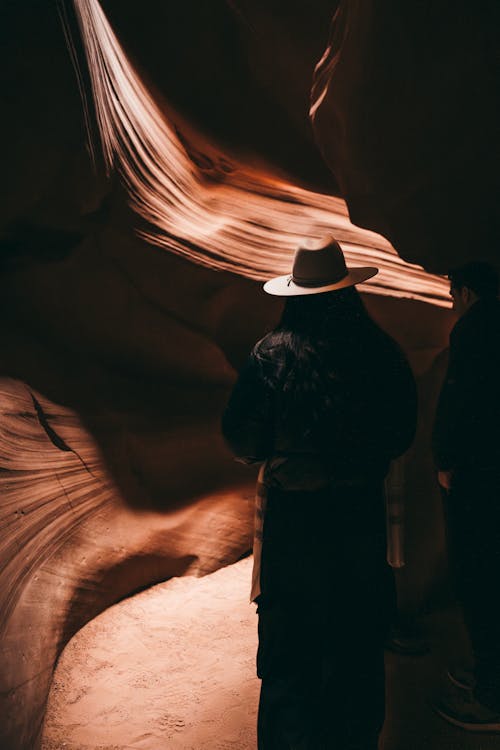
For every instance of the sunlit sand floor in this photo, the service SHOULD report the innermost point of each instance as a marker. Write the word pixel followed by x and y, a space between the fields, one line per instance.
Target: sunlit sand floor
pixel 173 668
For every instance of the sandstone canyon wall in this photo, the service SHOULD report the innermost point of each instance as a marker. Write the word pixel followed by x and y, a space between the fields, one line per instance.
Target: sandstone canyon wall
pixel 117 357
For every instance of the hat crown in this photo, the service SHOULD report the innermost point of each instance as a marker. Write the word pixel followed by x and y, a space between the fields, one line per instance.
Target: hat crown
pixel 321 266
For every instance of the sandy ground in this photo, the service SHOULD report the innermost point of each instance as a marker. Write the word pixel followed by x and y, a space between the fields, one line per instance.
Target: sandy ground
pixel 173 668
pixel 121 681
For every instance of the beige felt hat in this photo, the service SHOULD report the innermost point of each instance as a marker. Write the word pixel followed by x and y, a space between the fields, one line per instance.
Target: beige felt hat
pixel 318 266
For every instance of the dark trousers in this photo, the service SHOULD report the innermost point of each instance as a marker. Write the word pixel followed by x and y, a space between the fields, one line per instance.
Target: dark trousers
pixel 324 612
pixel 473 515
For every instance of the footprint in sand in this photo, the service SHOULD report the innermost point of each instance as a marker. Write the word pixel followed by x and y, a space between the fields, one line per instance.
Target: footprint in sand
pixel 171 723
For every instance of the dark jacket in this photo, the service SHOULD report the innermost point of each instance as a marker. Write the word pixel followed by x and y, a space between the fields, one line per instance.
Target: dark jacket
pixel 467 425
pixel 323 409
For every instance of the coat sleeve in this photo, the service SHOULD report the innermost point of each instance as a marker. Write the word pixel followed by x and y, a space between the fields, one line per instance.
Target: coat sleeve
pixel 456 405
pixel 247 422
pixel 400 419
pixel 445 434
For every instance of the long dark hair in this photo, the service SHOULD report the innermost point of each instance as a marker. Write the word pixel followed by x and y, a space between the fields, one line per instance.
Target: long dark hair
pixel 324 342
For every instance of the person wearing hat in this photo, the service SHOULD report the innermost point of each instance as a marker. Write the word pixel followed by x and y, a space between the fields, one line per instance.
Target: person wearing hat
pixel 325 402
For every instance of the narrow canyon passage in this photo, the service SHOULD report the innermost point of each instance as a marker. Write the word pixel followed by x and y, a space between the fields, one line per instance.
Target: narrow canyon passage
pixel 161 161
pixel 173 667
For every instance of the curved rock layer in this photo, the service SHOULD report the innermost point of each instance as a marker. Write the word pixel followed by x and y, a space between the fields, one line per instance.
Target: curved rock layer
pixel 203 206
pixel 404 104
pixel 71 546
pixel 113 470
pixel 405 110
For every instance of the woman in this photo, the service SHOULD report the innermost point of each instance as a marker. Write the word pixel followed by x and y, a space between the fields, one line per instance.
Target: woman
pixel 326 400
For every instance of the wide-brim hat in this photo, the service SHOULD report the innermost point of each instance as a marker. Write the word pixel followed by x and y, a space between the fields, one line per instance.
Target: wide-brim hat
pixel 318 266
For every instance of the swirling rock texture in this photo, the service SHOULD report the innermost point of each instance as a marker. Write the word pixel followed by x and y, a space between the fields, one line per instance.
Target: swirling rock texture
pixel 117 356
pixel 136 488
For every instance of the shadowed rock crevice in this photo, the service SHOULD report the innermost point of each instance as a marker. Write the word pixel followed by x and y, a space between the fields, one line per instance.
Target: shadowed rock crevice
pixel 51 434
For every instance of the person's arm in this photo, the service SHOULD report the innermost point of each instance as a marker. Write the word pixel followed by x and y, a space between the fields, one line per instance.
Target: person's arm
pixel 247 422
pixel 449 422
pixel 446 432
pixel 400 419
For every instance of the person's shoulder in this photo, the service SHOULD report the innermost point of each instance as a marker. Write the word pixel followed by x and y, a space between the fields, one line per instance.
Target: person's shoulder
pixel 482 319
pixel 488 313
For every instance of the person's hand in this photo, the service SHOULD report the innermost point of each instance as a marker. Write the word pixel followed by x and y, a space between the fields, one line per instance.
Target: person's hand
pixel 444 479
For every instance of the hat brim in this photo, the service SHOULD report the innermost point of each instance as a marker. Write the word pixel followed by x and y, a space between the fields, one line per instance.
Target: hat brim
pixel 284 286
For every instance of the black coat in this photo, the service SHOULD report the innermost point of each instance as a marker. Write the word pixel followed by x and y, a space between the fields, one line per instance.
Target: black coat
pixel 330 409
pixel 467 425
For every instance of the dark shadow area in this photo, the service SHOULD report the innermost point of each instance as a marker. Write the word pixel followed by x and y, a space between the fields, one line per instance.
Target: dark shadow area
pixel 412 683
pixel 129 577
